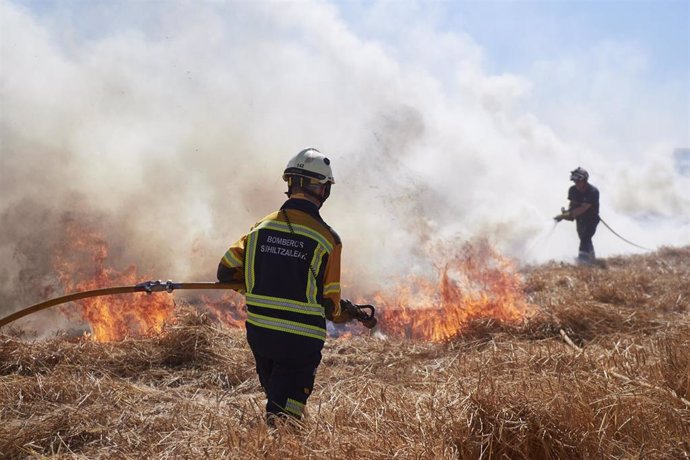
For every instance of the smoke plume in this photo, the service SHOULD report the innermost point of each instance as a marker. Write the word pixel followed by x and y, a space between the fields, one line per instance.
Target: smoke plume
pixel 166 126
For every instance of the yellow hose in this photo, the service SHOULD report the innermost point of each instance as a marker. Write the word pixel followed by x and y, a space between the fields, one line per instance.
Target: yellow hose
pixel 143 287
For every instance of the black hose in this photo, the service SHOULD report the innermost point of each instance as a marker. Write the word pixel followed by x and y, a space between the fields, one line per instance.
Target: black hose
pixel 627 241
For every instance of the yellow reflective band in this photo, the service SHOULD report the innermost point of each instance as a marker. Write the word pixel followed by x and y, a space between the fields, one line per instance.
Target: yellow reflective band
pixel 299 230
pixel 249 267
pixel 294 407
pixel 312 288
pixel 286 326
pixel 231 259
pixel 277 303
pixel 330 288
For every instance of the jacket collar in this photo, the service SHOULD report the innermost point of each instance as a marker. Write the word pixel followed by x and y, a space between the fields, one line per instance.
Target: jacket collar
pixel 302 205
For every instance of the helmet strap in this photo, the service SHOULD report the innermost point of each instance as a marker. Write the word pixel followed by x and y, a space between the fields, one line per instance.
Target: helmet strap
pixel 303 187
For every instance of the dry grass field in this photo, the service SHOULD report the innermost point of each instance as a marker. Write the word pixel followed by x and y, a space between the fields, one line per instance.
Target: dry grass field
pixel 602 370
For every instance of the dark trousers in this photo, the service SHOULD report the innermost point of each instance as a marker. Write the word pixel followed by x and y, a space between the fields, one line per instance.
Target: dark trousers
pixel 287 385
pixel 585 231
pixel 286 365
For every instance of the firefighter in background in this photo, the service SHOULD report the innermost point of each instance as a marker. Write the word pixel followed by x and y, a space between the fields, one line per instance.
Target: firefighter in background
pixel 288 267
pixel 584 209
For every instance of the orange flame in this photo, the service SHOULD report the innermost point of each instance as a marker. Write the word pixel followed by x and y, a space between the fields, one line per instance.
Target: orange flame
pixel 81 265
pixel 229 308
pixel 476 283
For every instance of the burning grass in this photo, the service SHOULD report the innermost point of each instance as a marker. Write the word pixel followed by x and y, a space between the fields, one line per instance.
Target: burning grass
pixel 601 371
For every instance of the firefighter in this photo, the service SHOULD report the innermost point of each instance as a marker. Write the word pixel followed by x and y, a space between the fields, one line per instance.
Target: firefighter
pixel 288 267
pixel 584 209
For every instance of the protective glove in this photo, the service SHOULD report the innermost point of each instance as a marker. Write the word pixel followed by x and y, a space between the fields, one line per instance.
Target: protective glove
pixel 348 310
pixel 564 215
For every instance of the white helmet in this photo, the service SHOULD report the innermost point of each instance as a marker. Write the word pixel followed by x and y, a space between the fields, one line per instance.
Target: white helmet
pixel 312 164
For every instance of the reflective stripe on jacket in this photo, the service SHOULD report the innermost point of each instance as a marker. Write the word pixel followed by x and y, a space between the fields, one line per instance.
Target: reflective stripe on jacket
pixel 290 265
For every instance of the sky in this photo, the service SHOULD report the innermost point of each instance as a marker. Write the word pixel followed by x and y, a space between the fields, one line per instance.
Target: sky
pixel 165 126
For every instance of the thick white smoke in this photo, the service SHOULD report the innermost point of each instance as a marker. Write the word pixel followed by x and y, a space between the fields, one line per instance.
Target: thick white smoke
pixel 167 125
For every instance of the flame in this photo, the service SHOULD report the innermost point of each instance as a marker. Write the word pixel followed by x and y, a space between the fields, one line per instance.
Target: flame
pixel 475 282
pixel 478 282
pixel 81 263
pixel 228 308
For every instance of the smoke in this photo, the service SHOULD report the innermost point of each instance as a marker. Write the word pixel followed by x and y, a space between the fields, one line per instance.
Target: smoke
pixel 167 126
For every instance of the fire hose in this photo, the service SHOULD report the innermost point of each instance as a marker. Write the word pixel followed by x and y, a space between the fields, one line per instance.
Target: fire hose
pixel 566 215
pixel 357 312
pixel 627 241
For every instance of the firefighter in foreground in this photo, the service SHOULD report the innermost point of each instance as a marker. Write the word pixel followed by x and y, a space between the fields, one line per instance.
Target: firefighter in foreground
pixel 288 267
pixel 584 209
